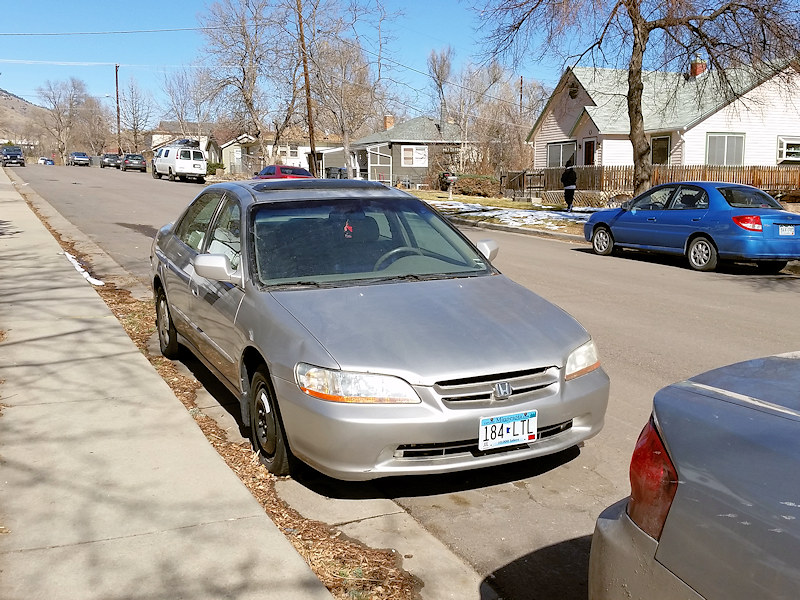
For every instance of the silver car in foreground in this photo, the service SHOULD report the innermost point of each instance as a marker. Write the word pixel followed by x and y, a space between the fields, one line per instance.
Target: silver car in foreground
pixel 714 511
pixel 364 335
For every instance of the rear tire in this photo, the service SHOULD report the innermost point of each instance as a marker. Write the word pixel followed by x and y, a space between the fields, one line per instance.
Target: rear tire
pixel 702 254
pixel 602 241
pixel 266 428
pixel 201 180
pixel 171 175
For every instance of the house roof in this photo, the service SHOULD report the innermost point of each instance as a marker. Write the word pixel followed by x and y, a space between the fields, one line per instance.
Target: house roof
pixel 420 130
pixel 670 101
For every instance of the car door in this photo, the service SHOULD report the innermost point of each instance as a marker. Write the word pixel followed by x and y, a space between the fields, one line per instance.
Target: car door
pixel 215 303
pixel 683 216
pixel 639 224
pixel 188 237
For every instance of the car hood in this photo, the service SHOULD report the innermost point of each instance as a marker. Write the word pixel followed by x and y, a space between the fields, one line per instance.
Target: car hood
pixel 766 384
pixel 426 331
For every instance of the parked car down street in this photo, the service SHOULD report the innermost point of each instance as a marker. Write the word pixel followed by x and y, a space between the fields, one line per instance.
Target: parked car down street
pixel 707 222
pixel 12 155
pixel 133 162
pixel 282 172
pixel 78 159
pixel 110 160
pixel 366 336
pixel 714 510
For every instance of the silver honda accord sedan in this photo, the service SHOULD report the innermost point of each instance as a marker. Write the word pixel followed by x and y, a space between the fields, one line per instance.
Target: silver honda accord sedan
pixel 714 510
pixel 366 336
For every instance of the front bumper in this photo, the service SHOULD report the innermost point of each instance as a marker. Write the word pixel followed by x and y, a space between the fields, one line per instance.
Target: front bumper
pixel 622 562
pixel 361 442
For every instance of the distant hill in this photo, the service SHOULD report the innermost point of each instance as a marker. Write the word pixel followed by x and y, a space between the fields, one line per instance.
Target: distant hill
pixel 19 119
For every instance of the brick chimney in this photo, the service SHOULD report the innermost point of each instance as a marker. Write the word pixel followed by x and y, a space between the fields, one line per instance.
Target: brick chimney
pixel 697 66
pixel 388 122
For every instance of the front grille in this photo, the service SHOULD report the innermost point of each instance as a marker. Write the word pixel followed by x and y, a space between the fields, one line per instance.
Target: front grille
pixel 457 392
pixel 411 451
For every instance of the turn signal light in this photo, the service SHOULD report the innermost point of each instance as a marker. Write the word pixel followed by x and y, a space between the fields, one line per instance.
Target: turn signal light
pixel 654 482
pixel 749 222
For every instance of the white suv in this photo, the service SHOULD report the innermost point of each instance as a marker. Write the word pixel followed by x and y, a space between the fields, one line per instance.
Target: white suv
pixel 180 162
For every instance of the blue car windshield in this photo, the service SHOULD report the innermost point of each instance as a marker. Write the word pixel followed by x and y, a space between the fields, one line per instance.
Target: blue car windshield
pixel 357 240
pixel 747 197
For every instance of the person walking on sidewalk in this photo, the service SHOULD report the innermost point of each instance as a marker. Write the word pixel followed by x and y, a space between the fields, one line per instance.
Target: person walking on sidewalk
pixel 568 179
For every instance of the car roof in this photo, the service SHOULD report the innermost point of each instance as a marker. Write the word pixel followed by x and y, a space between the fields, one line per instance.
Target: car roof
pixel 287 190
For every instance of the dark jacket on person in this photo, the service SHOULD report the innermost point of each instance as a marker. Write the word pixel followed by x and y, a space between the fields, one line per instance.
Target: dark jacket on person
pixel 569 177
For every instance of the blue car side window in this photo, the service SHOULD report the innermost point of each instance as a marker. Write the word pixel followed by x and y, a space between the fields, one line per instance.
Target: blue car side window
pixel 689 198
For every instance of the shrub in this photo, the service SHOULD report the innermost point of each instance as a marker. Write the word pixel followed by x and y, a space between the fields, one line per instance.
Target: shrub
pixel 211 168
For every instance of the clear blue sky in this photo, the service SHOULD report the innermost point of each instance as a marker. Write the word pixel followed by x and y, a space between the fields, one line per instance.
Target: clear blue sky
pixel 27 62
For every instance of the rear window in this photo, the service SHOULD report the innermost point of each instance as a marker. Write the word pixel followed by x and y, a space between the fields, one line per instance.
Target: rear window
pixel 747 197
pixel 295 171
pixel 197 155
pixel 135 157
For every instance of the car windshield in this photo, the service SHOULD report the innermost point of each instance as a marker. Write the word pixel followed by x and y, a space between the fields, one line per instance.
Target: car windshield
pixel 745 197
pixel 79 153
pixel 357 240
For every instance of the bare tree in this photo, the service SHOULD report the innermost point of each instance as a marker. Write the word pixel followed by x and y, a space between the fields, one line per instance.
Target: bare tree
pixel 136 110
pixel 761 35
pixel 94 124
pixel 255 62
pixel 440 66
pixel 63 100
pixel 190 96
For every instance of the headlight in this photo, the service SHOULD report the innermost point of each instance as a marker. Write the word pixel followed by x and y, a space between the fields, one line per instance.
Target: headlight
pixel 351 387
pixel 582 360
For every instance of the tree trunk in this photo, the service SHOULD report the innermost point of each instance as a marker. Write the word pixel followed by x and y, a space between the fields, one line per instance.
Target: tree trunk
pixel 642 167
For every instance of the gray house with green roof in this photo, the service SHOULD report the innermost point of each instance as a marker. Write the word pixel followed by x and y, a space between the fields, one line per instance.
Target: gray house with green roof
pixel 688 120
pixel 407 151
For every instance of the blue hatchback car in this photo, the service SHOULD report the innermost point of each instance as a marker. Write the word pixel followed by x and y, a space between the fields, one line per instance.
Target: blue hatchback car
pixel 706 221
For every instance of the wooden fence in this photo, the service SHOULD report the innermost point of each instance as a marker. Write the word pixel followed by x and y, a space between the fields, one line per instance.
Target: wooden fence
pixel 619 180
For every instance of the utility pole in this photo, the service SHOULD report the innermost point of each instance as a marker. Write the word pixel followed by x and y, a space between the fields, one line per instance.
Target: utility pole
pixel 119 134
pixel 312 164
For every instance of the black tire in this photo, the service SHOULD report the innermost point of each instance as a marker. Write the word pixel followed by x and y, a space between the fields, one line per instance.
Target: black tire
pixel 772 267
pixel 702 254
pixel 602 241
pixel 171 175
pixel 156 174
pixel 266 428
pixel 201 180
pixel 167 336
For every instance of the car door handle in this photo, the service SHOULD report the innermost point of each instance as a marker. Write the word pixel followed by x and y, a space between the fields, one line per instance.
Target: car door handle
pixel 651 218
pixel 696 219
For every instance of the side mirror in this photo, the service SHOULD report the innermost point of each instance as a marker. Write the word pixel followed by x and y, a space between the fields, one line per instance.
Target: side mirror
pixel 216 267
pixel 488 248
pixel 255 172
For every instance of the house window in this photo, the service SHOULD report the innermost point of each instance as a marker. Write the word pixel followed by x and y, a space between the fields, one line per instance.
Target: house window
pixel 659 150
pixel 725 149
pixel 560 153
pixel 283 150
pixel 293 151
pixel 788 149
pixel 414 156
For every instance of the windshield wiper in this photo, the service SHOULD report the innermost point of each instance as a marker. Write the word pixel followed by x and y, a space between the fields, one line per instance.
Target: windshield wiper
pixel 301 283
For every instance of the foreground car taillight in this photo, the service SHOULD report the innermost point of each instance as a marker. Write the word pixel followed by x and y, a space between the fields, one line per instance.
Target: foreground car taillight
pixel 654 482
pixel 353 387
pixel 749 222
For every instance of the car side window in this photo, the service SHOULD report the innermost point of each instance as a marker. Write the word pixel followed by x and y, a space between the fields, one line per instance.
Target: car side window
pixel 689 198
pixel 226 234
pixel 269 171
pixel 192 228
pixel 655 199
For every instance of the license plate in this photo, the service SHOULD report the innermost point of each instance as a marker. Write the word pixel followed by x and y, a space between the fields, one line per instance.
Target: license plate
pixel 507 430
pixel 785 229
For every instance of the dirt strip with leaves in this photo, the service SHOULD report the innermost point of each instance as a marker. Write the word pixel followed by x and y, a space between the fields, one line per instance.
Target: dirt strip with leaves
pixel 349 569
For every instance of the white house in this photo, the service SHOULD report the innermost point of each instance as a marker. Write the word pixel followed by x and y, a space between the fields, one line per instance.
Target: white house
pixel 242 153
pixel 688 121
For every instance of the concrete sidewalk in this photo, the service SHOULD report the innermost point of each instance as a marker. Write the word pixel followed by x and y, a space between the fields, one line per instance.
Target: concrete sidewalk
pixel 108 489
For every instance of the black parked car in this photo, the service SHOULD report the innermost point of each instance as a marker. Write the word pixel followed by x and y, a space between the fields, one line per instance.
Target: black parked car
pixel 12 155
pixel 133 161
pixel 110 160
